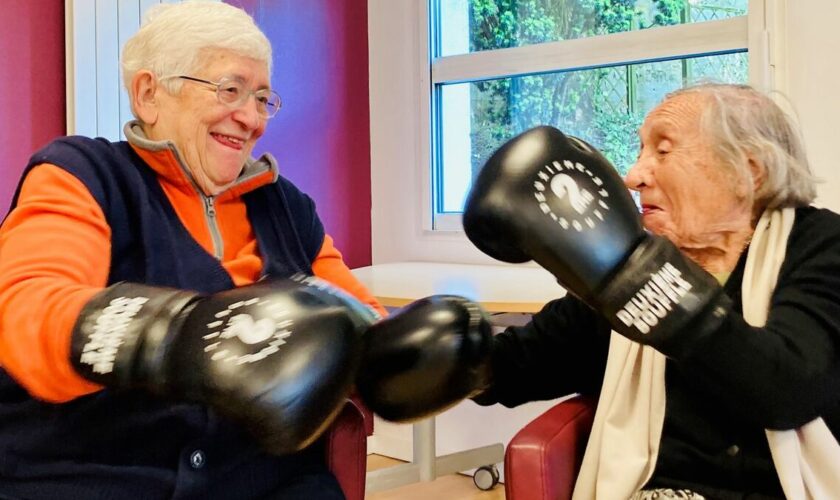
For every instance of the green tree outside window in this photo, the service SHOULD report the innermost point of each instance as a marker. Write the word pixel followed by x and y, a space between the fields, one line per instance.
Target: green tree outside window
pixel 603 105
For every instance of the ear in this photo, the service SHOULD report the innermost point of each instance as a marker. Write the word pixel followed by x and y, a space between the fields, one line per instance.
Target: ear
pixel 758 171
pixel 143 94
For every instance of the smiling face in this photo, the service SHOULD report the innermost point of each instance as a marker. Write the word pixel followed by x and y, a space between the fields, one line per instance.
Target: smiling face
pixel 214 139
pixel 686 194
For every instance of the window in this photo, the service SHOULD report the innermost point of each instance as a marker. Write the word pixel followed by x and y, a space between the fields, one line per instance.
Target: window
pixel 592 68
pixel 427 86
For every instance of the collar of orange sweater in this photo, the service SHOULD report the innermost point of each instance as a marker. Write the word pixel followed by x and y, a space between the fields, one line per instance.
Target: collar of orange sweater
pixel 165 159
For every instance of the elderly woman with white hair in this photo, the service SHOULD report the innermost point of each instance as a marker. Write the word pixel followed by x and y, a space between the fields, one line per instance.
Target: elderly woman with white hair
pixel 708 326
pixel 129 269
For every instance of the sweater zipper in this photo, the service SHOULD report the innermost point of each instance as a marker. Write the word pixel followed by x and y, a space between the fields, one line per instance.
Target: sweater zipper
pixel 213 225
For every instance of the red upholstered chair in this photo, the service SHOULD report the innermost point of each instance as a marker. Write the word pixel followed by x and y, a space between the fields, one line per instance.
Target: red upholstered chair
pixel 542 460
pixel 347 448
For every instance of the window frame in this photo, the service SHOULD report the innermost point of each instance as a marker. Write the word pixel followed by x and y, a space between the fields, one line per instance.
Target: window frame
pixel 403 77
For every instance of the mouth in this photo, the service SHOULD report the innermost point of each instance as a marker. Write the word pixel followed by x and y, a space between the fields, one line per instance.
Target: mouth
pixel 230 141
pixel 648 209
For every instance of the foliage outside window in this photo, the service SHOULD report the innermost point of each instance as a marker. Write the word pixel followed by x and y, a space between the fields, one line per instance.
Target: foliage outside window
pixel 603 104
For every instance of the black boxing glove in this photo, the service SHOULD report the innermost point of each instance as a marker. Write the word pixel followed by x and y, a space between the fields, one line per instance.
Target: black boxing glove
pixel 555 199
pixel 425 358
pixel 279 356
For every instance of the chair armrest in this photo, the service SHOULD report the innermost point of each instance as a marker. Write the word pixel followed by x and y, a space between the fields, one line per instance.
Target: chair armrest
pixel 346 448
pixel 367 414
pixel 542 460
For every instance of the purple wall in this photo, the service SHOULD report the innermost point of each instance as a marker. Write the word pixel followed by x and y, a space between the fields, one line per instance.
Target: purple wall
pixel 31 85
pixel 321 137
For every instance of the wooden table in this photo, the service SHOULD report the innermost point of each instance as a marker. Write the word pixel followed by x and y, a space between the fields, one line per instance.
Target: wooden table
pixel 499 289
pixel 504 289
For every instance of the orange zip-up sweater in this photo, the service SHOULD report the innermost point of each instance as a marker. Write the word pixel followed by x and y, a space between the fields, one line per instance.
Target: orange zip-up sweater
pixel 55 250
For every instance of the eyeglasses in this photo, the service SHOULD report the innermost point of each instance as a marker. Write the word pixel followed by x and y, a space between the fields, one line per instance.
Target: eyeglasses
pixel 234 94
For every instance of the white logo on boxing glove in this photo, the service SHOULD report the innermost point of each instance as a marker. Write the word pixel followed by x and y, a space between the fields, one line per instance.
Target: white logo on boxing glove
pixel 100 351
pixel 248 330
pixel 655 299
pixel 270 331
pixel 561 183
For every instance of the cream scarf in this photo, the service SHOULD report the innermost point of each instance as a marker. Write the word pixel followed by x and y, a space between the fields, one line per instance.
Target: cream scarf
pixel 624 443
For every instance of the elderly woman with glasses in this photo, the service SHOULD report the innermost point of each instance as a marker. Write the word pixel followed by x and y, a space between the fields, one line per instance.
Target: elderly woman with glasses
pixel 107 248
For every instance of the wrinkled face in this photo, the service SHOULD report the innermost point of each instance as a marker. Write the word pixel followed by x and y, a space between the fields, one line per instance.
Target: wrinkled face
pixel 213 138
pixel 686 194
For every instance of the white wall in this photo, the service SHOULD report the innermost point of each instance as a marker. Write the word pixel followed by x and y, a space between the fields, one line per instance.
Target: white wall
pixel 813 85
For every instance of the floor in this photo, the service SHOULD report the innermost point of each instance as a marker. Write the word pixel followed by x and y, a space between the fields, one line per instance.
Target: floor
pixel 453 487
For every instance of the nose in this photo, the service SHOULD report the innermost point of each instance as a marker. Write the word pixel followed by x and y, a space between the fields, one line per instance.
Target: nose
pixel 638 177
pixel 248 115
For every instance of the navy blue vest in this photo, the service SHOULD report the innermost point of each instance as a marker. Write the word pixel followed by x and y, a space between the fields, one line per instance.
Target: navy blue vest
pixel 130 445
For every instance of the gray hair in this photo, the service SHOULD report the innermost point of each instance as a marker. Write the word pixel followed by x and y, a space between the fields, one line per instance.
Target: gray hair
pixel 745 123
pixel 173 37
